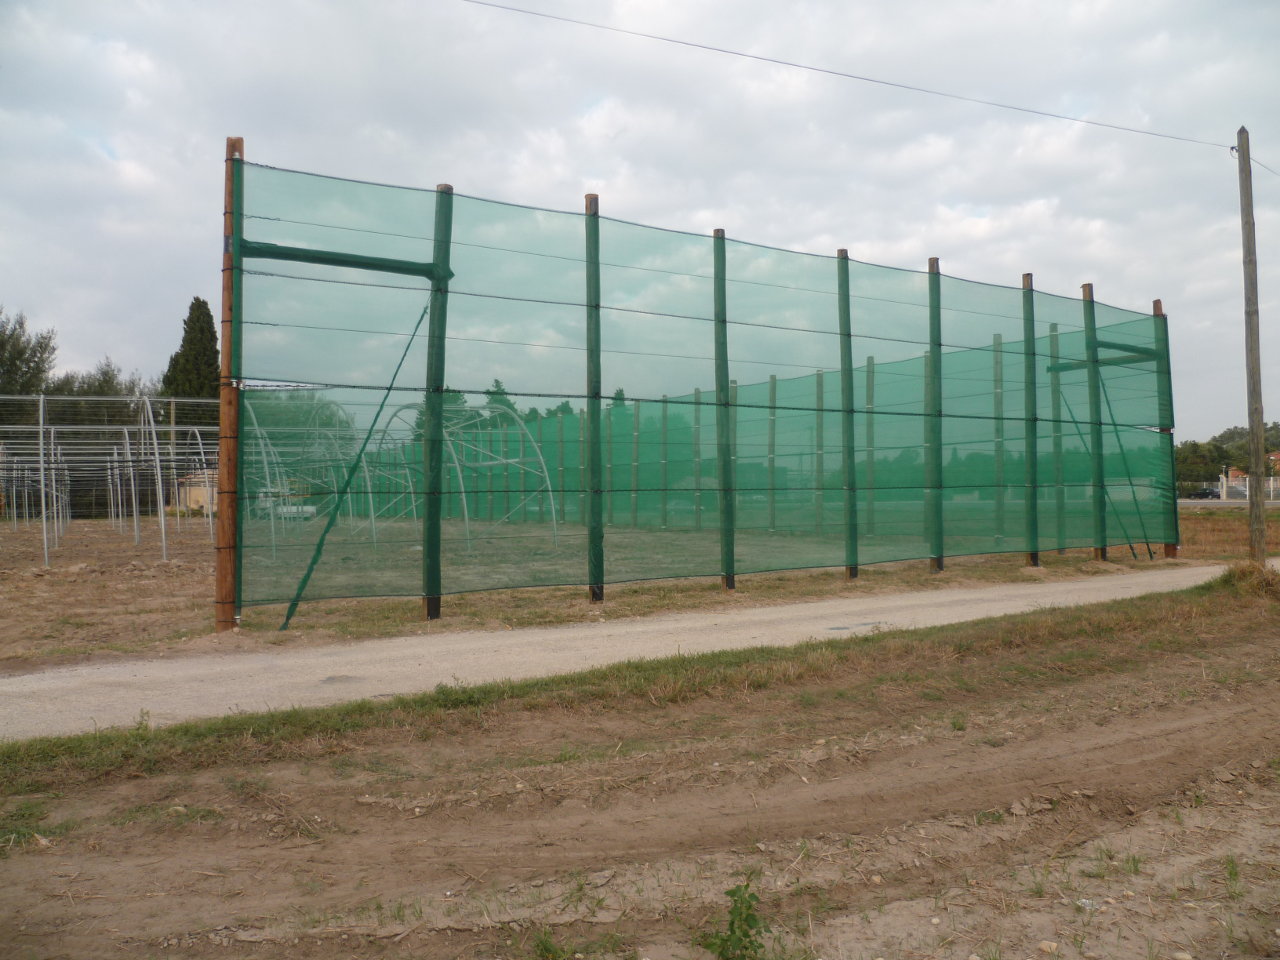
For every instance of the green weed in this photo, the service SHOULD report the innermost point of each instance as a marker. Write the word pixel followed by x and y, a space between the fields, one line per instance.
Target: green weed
pixel 741 939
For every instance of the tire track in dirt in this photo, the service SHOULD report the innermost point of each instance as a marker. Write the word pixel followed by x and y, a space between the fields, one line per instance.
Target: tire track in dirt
pixel 1131 759
pixel 645 843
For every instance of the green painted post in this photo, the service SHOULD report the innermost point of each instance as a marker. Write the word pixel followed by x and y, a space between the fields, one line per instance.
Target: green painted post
pixel 819 459
pixel 870 433
pixel 1059 473
pixel 595 512
pixel 997 403
pixel 697 458
pixel 724 414
pixel 733 429
pixel 608 468
pixel 1165 385
pixel 933 421
pixel 1097 466
pixel 849 463
pixel 663 453
pixel 446 511
pixel 771 456
pixel 560 463
pixel 522 476
pixel 733 443
pixel 635 464
pixel 583 509
pixel 504 448
pixel 433 446
pixel 541 450
pixel 1031 474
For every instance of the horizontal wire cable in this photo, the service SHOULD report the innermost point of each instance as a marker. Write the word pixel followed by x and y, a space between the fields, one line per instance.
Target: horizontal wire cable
pixel 848 76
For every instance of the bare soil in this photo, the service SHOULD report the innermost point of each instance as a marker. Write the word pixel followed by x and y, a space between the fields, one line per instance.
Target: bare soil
pixel 1129 813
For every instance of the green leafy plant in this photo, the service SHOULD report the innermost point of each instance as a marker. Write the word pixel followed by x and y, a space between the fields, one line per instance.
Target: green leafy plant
pixel 741 938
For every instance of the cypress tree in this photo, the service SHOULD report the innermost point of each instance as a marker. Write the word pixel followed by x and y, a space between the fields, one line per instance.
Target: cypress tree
pixel 193 371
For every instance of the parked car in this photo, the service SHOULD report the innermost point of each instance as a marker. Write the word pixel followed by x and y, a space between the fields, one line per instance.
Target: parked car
pixel 1208 493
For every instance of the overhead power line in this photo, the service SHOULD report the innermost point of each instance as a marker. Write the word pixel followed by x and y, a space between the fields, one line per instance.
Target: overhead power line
pixel 852 76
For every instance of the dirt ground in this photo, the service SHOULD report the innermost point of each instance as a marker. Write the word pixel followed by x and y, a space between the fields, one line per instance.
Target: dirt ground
pixel 105 596
pixel 1128 814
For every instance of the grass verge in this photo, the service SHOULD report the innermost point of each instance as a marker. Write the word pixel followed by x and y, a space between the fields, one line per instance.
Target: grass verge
pixel 941 666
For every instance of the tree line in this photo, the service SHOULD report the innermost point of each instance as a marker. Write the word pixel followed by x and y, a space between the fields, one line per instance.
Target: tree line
pixel 28 358
pixel 1203 462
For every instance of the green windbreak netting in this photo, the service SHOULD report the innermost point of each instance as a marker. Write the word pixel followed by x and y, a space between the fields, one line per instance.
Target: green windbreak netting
pixel 446 394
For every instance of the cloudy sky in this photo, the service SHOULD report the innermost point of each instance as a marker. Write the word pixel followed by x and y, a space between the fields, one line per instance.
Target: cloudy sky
pixel 114 114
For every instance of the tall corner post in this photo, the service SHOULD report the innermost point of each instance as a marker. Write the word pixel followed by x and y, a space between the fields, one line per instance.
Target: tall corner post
pixel 933 422
pixel 1098 480
pixel 847 436
pixel 724 413
pixel 433 439
pixel 226 604
pixel 1165 386
pixel 1253 353
pixel 592 431
pixel 1030 433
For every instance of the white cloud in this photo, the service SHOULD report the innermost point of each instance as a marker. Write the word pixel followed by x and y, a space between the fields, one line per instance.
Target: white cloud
pixel 112 119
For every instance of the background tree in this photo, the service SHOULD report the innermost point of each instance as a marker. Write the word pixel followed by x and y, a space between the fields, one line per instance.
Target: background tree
pixel 1234 443
pixel 564 406
pixel 26 358
pixel 194 370
pixel 104 380
pixel 455 406
pixel 498 395
pixel 1198 462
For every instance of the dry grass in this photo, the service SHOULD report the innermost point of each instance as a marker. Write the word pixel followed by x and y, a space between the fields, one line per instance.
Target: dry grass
pixel 1208 534
pixel 897 672
pixel 1222 533
pixel 60 614
pixel 546 606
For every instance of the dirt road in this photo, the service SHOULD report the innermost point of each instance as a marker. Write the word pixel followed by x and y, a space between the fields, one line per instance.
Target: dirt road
pixel 1131 815
pixel 168 689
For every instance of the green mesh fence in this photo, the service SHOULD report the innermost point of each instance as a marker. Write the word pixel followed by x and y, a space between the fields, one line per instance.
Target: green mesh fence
pixel 448 394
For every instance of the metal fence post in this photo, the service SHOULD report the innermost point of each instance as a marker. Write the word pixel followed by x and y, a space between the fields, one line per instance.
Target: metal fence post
pixel 933 422
pixel 846 416
pixel 724 414
pixel 595 487
pixel 1031 464
pixel 433 441
pixel 1097 465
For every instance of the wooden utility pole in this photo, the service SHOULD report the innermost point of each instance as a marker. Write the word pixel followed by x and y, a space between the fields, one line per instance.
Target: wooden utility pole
pixel 1253 363
pixel 225 589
